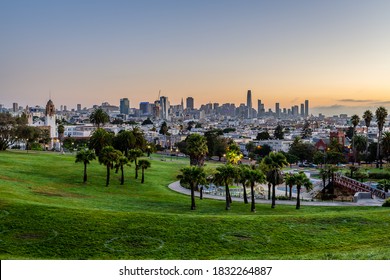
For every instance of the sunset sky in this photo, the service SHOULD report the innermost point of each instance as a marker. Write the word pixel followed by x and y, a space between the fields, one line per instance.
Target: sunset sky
pixel 334 53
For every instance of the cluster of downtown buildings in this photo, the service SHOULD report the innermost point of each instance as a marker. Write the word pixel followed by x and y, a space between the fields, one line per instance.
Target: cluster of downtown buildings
pixel 244 121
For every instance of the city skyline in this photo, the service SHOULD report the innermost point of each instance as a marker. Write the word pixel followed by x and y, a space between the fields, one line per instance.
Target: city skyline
pixel 334 53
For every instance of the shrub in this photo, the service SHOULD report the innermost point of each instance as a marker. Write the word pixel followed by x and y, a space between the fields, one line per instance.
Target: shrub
pixel 386 203
pixel 379 176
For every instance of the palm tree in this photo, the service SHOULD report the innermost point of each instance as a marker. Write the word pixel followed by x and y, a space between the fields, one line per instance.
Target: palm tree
pixel 193 176
pixel 99 117
pixel 122 161
pixel 290 181
pixel 196 148
pixel 60 130
pixel 381 115
pixel 274 162
pixel 355 121
pixel 254 176
pixel 134 154
pixel 225 174
pixel 144 164
pixel 301 180
pixel 99 139
pixel 360 145
pixel 386 144
pixel 109 157
pixel 85 156
pixel 367 117
pixel 241 171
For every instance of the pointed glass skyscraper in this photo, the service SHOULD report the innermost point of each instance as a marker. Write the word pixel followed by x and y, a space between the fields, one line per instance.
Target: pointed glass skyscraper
pixel 249 104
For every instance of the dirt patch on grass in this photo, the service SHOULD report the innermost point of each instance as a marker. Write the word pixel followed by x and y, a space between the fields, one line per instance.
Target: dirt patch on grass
pixel 60 194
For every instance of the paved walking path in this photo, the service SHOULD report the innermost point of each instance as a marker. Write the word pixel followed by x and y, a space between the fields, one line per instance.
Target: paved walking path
pixel 175 186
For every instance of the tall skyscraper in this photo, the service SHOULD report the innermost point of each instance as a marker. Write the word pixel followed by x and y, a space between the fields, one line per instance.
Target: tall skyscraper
pixel 78 107
pixel 124 106
pixel 306 108
pixel 164 105
pixel 15 107
pixel 277 110
pixel 190 103
pixel 302 110
pixel 249 104
pixel 144 108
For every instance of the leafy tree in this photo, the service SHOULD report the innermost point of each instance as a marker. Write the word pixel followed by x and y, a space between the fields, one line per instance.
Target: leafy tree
pixel 233 154
pixel 301 180
pixel 144 164
pixel 381 115
pixel 303 151
pixel 99 117
pixel 274 162
pixel 109 157
pixel 225 175
pixel 220 147
pixel 319 158
pixel 147 122
pixel 262 150
pixel 163 129
pixel 99 139
pixel 355 121
pixel 228 130
pixel 278 132
pixel 196 149
pixel 193 175
pixel 124 141
pixel 8 128
pixel 306 131
pixel 85 156
pixel 140 141
pixel 211 137
pixel 263 135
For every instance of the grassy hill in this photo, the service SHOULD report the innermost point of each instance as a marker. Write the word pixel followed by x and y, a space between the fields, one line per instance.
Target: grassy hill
pixel 46 212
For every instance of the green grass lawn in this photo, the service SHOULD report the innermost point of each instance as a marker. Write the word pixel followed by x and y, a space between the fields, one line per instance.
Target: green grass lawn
pixel 46 212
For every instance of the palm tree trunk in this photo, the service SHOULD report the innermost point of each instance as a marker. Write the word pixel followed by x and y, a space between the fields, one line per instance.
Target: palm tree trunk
pixel 286 191
pixel 290 193
pixel 122 176
pixel 201 192
pixel 193 206
pixel 269 191
pixel 136 170
pixel 253 207
pixel 227 197
pixel 273 196
pixel 108 175
pixel 378 149
pixel 298 198
pixel 85 173
pixel 143 176
pixel 245 194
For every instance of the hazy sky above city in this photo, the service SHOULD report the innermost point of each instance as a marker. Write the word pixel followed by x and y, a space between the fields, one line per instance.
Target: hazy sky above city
pixel 334 53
